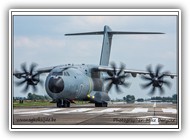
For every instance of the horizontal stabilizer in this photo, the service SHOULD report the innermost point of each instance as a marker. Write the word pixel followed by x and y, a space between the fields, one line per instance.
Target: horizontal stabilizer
pixel 122 33
pixel 87 33
pixel 107 40
pixel 112 33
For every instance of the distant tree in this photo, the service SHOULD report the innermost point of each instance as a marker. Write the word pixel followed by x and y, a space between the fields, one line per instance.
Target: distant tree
pixel 124 98
pixel 37 97
pixel 174 97
pixel 130 98
pixel 30 96
pixel 140 100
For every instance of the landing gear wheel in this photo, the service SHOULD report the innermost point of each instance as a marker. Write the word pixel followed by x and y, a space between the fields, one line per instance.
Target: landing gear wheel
pixel 101 104
pixel 63 103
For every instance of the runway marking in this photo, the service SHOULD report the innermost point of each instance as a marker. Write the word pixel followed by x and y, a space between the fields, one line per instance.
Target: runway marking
pixel 169 110
pixel 74 111
pixel 154 105
pixel 39 111
pixel 136 110
pixel 46 111
pixel 108 110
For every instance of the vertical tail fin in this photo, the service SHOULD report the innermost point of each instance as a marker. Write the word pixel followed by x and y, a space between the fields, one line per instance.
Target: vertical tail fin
pixel 107 41
pixel 106 46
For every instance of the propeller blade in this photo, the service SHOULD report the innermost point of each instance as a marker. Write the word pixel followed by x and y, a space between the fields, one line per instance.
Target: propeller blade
pixel 161 90
pixel 163 74
pixel 127 75
pixel 20 83
pixel 158 68
pixel 35 77
pixel 121 69
pixel 32 67
pixel 34 88
pixel 122 76
pixel 144 86
pixel 108 78
pixel 109 86
pixel 23 67
pixel 167 83
pixel 113 65
pixel 149 69
pixel 146 78
pixel 117 88
pixel 152 91
pixel 126 84
pixel 26 88
pixel 110 73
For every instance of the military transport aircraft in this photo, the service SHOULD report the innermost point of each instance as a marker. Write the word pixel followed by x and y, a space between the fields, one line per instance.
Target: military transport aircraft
pixel 67 83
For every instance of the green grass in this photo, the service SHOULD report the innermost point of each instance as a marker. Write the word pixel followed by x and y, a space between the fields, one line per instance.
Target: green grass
pixel 28 103
pixel 32 103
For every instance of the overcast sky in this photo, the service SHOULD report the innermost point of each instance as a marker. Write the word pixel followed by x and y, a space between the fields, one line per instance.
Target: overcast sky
pixel 41 39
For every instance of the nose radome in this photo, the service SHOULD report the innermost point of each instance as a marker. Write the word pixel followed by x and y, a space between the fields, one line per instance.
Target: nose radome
pixel 56 84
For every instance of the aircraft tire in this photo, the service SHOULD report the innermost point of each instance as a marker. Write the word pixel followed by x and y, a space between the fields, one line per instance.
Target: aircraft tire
pixel 63 103
pixel 101 104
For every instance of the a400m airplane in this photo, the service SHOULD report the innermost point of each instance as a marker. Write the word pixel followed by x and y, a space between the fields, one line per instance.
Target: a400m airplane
pixel 66 83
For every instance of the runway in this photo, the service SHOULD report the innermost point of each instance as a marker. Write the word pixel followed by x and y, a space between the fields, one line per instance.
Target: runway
pixel 114 114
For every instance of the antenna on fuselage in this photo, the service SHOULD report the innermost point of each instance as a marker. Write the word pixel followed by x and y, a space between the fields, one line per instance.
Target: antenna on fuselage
pixel 107 41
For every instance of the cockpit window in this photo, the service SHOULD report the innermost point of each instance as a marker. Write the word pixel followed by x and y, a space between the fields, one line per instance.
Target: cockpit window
pixel 57 73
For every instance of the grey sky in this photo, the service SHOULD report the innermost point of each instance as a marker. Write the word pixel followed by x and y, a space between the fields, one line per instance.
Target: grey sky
pixel 41 39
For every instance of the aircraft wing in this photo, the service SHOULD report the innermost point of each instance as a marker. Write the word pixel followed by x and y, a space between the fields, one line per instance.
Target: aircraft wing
pixel 132 72
pixel 39 71
pixel 36 72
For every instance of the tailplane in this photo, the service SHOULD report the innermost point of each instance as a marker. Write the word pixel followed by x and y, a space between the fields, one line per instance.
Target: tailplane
pixel 107 41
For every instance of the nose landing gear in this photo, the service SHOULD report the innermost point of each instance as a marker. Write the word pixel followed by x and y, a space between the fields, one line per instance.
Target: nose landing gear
pixel 63 103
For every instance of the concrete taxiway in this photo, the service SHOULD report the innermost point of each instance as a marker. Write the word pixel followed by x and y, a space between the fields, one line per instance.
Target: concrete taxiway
pixel 114 114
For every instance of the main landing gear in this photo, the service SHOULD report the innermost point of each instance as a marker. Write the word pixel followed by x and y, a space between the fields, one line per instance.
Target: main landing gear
pixel 63 103
pixel 101 104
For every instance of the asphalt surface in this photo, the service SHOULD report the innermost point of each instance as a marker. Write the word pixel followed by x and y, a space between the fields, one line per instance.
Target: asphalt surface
pixel 114 114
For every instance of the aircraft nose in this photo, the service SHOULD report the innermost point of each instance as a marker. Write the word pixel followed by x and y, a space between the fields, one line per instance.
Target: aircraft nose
pixel 56 84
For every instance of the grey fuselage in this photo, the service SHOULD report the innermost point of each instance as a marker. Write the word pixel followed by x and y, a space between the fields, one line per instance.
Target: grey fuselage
pixel 76 82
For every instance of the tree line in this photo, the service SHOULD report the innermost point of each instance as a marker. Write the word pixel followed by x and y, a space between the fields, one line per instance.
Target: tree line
pixel 33 96
pixel 131 99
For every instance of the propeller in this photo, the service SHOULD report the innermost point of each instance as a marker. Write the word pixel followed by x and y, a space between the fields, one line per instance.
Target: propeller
pixel 30 77
pixel 116 78
pixel 155 79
